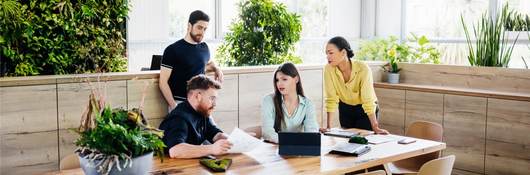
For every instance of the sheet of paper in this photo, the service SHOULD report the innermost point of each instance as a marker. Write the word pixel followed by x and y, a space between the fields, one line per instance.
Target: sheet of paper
pixel 378 138
pixel 242 142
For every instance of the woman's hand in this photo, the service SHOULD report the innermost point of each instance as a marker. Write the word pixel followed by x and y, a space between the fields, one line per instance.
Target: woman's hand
pixel 378 130
pixel 323 130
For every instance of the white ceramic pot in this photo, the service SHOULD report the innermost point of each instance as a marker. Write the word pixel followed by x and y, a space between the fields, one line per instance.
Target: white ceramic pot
pixel 393 78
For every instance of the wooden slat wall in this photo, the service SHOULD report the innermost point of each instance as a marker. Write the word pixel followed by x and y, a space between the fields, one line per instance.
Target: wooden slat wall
pixel 494 135
pixel 226 111
pixel 28 129
pixel 260 84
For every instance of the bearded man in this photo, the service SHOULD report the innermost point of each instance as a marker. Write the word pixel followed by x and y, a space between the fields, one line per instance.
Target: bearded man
pixel 188 131
pixel 184 59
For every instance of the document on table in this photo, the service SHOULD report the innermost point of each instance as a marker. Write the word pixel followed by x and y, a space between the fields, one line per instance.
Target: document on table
pixel 242 142
pixel 378 138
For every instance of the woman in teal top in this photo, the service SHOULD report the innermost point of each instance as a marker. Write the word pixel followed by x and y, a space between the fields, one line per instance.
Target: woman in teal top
pixel 287 109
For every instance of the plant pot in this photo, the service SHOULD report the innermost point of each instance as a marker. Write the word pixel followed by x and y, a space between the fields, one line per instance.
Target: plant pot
pixel 393 78
pixel 140 165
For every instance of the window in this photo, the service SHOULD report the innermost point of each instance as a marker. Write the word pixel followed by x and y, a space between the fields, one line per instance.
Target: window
pixel 441 18
pixel 179 12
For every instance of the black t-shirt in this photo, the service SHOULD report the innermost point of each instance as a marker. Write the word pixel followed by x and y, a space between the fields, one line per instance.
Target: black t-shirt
pixel 186 60
pixel 185 125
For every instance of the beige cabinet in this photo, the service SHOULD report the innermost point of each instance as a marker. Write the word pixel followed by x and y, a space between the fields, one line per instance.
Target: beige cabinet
pixel 465 131
pixel 391 109
pixel 508 137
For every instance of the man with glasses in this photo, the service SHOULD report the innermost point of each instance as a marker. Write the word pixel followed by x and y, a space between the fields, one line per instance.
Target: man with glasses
pixel 184 59
pixel 188 131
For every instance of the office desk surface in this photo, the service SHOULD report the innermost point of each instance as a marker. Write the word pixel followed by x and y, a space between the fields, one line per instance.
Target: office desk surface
pixel 265 159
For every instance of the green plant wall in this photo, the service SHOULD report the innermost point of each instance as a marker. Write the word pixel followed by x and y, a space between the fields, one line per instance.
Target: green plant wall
pixel 46 37
pixel 264 34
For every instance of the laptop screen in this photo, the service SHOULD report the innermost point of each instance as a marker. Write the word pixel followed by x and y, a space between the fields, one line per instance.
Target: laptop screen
pixel 299 143
pixel 299 138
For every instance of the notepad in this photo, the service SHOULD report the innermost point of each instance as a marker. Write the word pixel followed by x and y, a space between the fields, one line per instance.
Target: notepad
pixel 341 133
pixel 378 138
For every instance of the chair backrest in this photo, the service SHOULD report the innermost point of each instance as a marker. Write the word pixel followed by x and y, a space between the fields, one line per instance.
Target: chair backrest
pixel 425 130
pixel 440 166
pixel 69 162
pixel 378 172
pixel 428 131
pixel 155 62
pixel 254 131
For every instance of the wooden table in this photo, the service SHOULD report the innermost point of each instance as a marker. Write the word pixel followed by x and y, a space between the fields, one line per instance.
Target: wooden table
pixel 265 159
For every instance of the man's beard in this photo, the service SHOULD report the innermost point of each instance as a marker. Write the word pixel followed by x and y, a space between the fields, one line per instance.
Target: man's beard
pixel 197 38
pixel 205 110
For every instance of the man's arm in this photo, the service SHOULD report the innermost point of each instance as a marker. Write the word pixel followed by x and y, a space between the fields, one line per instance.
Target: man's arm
pixel 164 86
pixel 184 150
pixel 212 67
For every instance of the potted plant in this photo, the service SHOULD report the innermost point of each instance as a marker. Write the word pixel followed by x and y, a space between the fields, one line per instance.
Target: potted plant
pixel 391 67
pixel 116 141
pixel 265 33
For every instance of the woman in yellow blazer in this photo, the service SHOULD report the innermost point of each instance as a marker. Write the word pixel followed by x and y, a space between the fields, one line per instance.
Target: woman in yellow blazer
pixel 349 87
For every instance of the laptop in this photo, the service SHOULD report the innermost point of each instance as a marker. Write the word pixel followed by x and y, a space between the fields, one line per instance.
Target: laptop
pixel 155 62
pixel 351 149
pixel 299 143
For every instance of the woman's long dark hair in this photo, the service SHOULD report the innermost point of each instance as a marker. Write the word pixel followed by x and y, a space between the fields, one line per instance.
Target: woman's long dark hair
pixel 341 44
pixel 290 70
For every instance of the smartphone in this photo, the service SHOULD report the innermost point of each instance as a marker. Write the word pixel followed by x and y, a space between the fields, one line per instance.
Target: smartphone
pixel 406 141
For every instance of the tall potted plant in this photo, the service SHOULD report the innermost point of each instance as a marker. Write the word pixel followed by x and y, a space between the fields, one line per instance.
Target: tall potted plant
pixel 491 46
pixel 116 141
pixel 264 34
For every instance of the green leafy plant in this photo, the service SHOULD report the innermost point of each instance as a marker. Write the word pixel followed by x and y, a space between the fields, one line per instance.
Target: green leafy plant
pixel 108 136
pixel 62 36
pixel 515 21
pixel 264 34
pixel 415 50
pixel 375 49
pixel 491 47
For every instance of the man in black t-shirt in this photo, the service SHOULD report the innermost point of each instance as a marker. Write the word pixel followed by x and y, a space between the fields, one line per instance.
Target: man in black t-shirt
pixel 188 125
pixel 184 59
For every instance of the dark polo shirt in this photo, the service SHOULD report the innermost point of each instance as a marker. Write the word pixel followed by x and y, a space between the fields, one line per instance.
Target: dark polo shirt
pixel 185 125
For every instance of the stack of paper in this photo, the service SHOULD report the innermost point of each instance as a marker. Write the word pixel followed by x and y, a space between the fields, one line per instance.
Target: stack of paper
pixel 242 142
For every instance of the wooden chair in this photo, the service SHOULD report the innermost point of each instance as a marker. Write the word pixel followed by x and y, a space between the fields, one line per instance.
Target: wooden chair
pixel 254 131
pixel 423 130
pixel 440 166
pixel 378 172
pixel 69 162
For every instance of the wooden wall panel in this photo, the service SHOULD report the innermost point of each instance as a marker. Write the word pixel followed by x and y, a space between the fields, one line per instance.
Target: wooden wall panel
pixel 423 106
pixel 28 129
pixel 24 106
pixel 154 105
pixel 465 131
pixel 508 138
pixel 487 78
pixel 463 172
pixel 226 111
pixel 312 84
pixel 391 110
pixel 29 153
pixel 72 100
pixel 252 89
